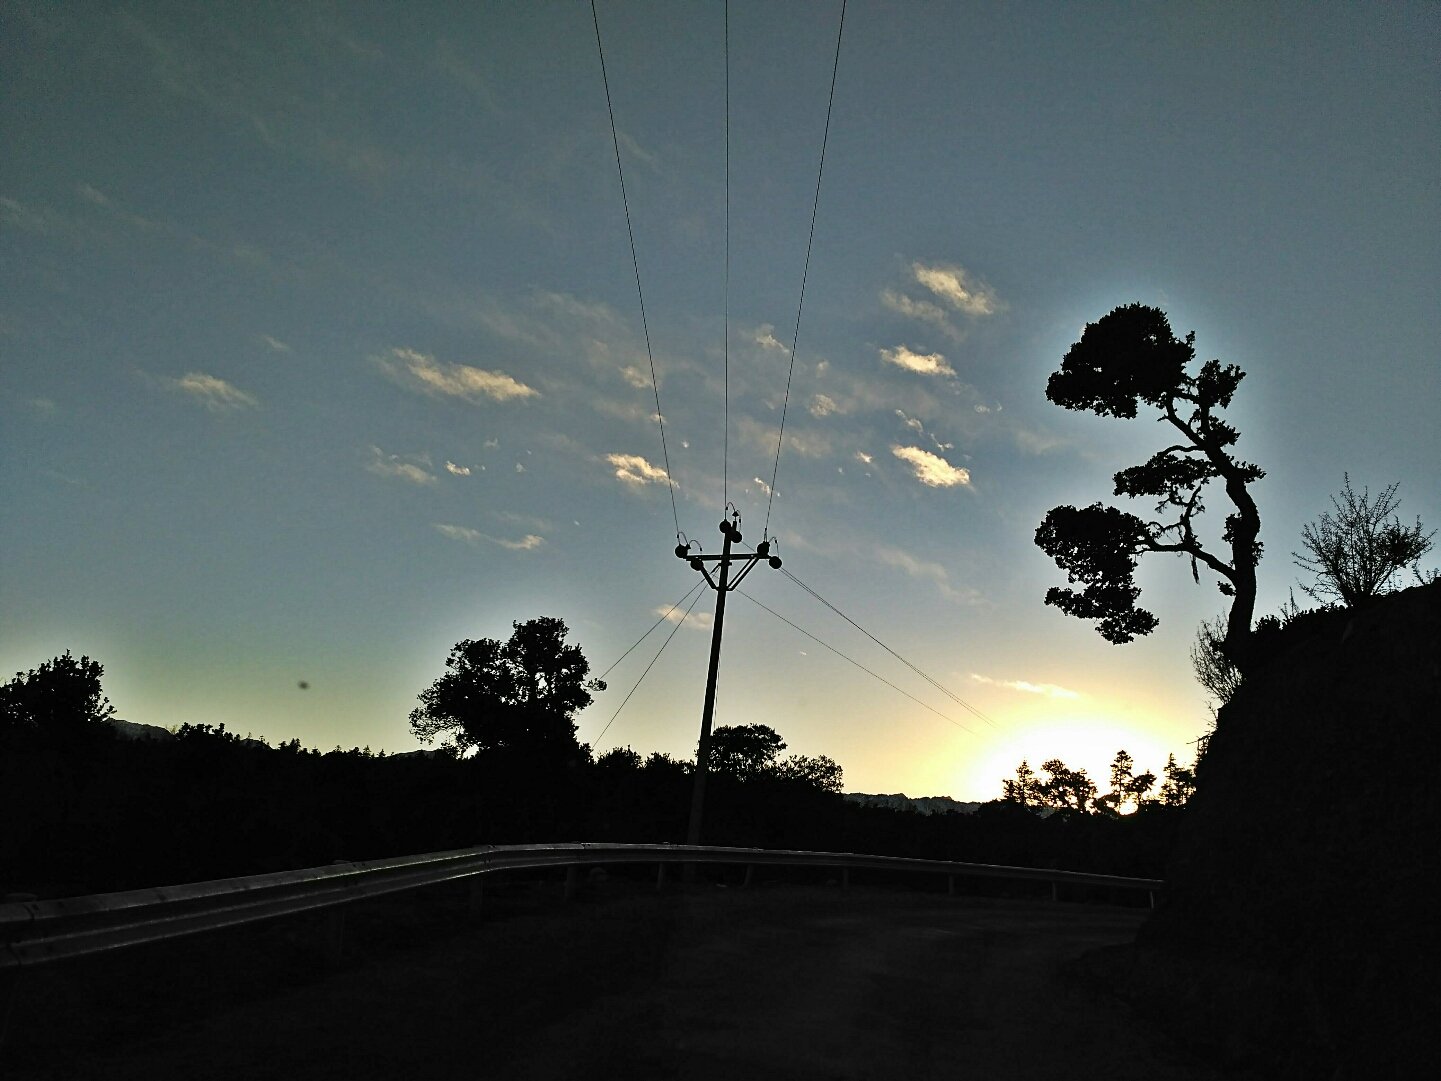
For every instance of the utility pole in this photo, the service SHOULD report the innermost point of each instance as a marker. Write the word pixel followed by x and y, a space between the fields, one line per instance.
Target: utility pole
pixel 723 584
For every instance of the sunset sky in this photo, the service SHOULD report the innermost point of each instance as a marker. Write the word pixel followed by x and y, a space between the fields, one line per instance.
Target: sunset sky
pixel 320 346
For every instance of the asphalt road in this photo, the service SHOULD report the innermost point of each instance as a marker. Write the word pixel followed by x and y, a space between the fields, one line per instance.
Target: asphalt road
pixel 770 982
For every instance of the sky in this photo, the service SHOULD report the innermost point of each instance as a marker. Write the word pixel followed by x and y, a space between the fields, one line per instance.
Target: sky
pixel 321 348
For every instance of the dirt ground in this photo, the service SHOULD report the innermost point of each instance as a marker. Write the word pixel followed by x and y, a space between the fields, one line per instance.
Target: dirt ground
pixel 774 981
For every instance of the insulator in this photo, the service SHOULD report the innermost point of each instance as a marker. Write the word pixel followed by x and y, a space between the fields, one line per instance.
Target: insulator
pixel 695 564
pixel 763 549
pixel 775 562
pixel 682 551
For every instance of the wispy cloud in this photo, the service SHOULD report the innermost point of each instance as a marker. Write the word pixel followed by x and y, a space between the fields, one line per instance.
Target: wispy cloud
pixel 421 372
pixel 409 468
pixel 274 344
pixel 931 469
pixel 765 337
pixel 923 310
pixel 925 570
pixel 1050 690
pixel 957 287
pixel 823 405
pixel 213 393
pixel 922 363
pixel 527 543
pixel 952 289
pixel 635 470
pixel 457 470
pixel 696 621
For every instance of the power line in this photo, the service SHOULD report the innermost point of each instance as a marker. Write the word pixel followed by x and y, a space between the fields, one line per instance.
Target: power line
pixel 653 626
pixel 929 679
pixel 635 262
pixel 855 662
pixel 726 453
pixel 648 667
pixel 805 273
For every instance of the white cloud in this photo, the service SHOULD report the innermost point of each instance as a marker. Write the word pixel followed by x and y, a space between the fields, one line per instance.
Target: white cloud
pixel 925 570
pixel 460 533
pixel 923 310
pixel 913 423
pixel 696 621
pixel 765 337
pixel 215 394
pixel 406 469
pixel 635 470
pixel 633 375
pixel 762 485
pixel 528 543
pixel 823 405
pixel 424 373
pixel 864 458
pixel 922 363
pixel 1050 690
pixel 458 470
pixel 274 343
pixel 958 288
pixel 931 469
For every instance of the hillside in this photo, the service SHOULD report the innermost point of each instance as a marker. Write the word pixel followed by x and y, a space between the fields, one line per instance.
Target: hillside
pixel 1296 915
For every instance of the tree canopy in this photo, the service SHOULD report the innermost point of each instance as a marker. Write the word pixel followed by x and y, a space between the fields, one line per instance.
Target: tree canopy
pixel 522 694
pixel 57 702
pixel 750 751
pixel 1128 359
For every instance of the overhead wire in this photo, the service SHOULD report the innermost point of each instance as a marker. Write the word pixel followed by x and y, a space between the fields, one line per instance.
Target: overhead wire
pixel 664 616
pixel 726 452
pixel 648 667
pixel 805 272
pixel 858 664
pixel 635 262
pixel 913 667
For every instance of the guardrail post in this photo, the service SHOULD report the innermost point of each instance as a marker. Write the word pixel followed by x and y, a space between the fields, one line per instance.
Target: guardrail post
pixel 750 874
pixel 572 881
pixel 1152 895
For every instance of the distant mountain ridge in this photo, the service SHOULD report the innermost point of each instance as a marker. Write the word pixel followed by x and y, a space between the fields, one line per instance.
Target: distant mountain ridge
pixel 899 801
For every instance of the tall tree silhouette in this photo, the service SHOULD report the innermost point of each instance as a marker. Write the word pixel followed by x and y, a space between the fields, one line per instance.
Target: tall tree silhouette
pixel 520 695
pixel 1128 359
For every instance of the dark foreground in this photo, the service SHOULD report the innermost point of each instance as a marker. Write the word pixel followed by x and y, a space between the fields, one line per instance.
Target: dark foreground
pixel 788 982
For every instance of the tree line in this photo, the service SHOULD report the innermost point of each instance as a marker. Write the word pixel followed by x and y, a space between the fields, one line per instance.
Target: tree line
pixel 83 810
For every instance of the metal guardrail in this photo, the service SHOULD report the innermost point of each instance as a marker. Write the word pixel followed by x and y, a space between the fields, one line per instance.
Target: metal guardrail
pixel 38 932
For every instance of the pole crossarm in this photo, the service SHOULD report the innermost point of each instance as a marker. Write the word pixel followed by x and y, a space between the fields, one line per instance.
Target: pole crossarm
pixel 725 583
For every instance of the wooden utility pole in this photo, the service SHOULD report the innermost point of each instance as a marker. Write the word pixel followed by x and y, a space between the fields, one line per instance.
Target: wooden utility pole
pixel 722 584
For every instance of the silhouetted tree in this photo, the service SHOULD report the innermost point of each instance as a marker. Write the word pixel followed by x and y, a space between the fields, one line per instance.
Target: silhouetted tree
pixel 520 695
pixel 818 772
pixel 1214 670
pixel 1065 788
pixel 59 702
pixel 1127 359
pixel 1024 789
pixel 1179 784
pixel 745 750
pixel 1355 552
pixel 619 759
pixel 1127 786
